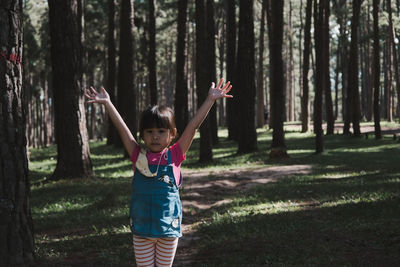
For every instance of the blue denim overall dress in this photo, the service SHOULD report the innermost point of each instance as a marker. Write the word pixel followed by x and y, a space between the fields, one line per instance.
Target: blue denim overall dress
pixel 155 208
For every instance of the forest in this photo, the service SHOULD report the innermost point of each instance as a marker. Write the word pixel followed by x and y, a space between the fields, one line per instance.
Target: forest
pixel 304 72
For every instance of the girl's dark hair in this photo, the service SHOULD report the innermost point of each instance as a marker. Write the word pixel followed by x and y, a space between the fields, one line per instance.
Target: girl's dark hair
pixel 157 117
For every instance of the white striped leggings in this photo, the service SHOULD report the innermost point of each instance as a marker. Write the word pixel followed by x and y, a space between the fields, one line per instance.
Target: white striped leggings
pixel 154 251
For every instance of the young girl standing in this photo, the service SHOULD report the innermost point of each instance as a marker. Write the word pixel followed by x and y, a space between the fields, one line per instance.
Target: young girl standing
pixel 155 207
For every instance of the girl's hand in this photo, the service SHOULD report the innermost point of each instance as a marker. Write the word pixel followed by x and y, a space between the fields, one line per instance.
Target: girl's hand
pixel 219 91
pixel 95 97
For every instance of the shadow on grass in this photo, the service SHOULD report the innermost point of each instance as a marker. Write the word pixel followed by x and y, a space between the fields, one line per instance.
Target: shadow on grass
pixel 100 249
pixel 358 234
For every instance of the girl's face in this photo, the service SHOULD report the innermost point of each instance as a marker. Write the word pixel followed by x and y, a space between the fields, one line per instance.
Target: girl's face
pixel 157 139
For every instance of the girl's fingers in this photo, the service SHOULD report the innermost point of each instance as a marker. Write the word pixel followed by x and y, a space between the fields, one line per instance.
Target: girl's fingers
pixel 212 85
pixel 220 83
pixel 227 89
pixel 92 90
pixel 226 86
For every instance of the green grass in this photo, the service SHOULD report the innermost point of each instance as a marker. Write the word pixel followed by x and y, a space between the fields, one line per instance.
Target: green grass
pixel 345 212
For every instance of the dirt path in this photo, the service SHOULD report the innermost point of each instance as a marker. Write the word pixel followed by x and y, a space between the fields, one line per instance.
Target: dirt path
pixel 202 190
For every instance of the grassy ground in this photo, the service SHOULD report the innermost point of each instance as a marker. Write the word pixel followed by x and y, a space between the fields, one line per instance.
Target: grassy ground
pixel 344 212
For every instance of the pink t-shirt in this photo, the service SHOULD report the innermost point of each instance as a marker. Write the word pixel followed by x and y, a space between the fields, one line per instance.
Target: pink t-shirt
pixel 176 159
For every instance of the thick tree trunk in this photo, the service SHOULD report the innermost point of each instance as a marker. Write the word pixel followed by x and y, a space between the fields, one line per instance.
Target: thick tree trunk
pixel 277 81
pixel 245 78
pixel 152 54
pixel 181 87
pixel 202 80
pixel 73 159
pixel 16 228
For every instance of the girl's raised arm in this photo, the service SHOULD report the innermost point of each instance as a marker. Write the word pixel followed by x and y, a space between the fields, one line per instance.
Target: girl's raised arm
pixel 214 93
pixel 103 98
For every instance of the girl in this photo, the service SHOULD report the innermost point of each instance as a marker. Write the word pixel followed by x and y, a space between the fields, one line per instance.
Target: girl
pixel 155 208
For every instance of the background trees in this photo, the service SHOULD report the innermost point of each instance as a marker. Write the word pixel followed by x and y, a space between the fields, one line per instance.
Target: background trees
pixel 176 63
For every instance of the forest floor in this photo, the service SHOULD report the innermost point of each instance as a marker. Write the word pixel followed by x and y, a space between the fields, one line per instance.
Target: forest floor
pixel 205 190
pixel 339 208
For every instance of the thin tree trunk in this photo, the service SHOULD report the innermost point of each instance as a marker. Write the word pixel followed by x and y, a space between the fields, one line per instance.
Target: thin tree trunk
pixel 319 13
pixel 212 65
pixel 305 110
pixel 392 35
pixel 112 66
pixel 376 71
pixel 260 77
pixel 330 121
pixel 231 112
pixel 181 87
pixel 353 91
pixel 152 54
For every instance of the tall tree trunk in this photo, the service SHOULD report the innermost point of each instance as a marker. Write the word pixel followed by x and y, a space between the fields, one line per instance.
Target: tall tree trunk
pixel 260 77
pixel 290 68
pixel 202 80
pixel 330 120
pixel 112 66
pixel 212 65
pixel 376 71
pixel 353 91
pixel 277 81
pixel 392 34
pixel 152 54
pixel 245 78
pixel 181 87
pixel 126 97
pixel 16 228
pixel 319 13
pixel 232 110
pixel 73 159
pixel 305 110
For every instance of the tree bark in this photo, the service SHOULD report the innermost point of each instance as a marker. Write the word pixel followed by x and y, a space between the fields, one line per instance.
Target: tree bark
pixel 212 66
pixel 16 228
pixel 392 35
pixel 330 120
pixel 376 71
pixel 181 87
pixel 353 91
pixel 73 159
pixel 277 81
pixel 232 110
pixel 260 77
pixel 245 79
pixel 152 54
pixel 112 66
pixel 126 98
pixel 319 13
pixel 202 82
pixel 305 109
